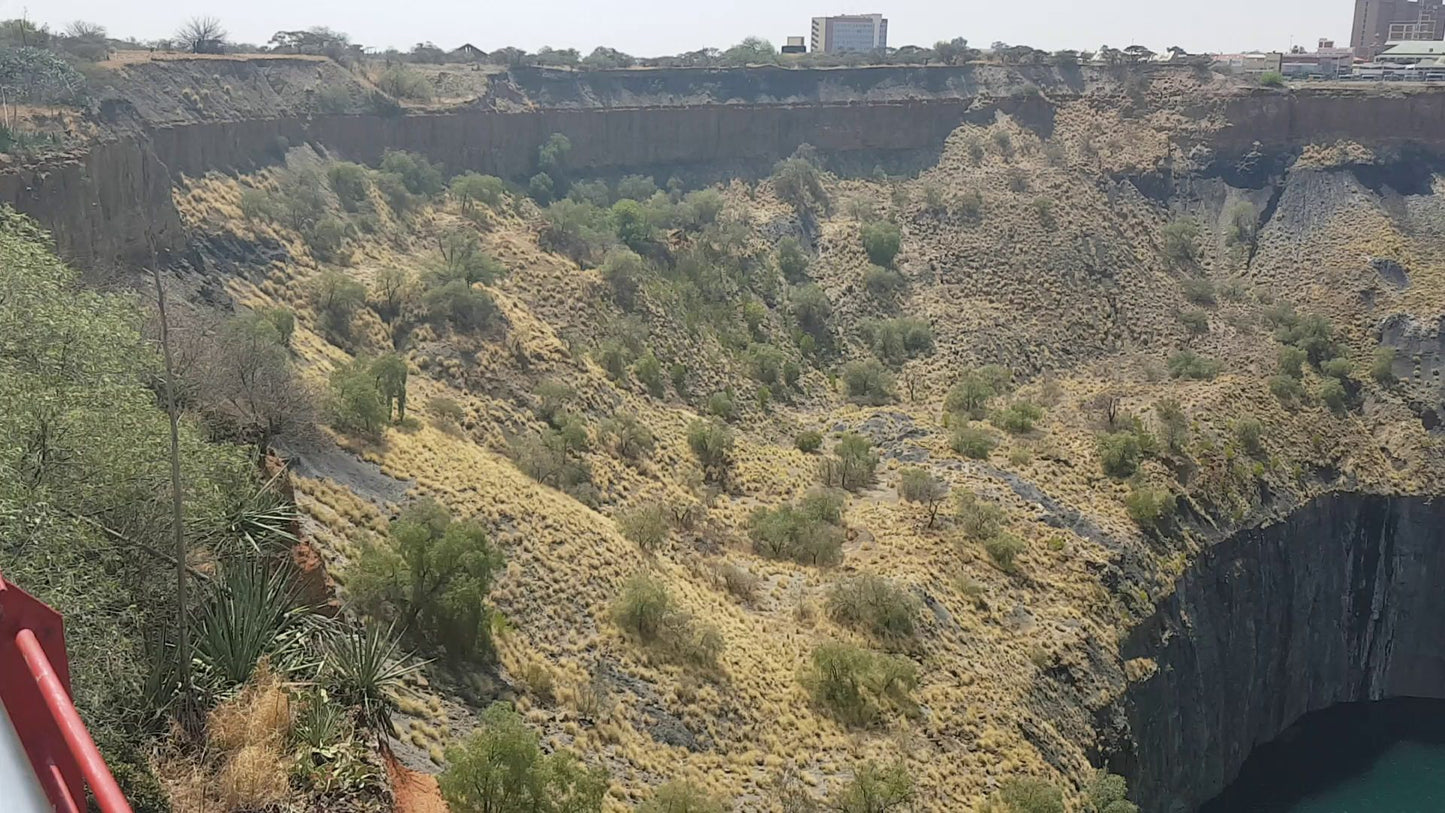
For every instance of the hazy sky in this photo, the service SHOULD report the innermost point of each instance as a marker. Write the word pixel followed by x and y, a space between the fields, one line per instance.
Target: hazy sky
pixel 651 27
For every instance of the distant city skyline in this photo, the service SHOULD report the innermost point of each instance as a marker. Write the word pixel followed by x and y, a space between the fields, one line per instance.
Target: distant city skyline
pixel 656 27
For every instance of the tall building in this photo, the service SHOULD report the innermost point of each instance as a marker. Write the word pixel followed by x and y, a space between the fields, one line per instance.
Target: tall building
pixel 850 32
pixel 1379 22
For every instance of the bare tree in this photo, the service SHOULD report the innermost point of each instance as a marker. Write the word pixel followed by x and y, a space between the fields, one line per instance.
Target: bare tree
pixel 245 383
pixel 202 35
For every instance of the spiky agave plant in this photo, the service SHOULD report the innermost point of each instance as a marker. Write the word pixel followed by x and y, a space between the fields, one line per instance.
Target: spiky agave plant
pixel 257 520
pixel 252 611
pixel 365 667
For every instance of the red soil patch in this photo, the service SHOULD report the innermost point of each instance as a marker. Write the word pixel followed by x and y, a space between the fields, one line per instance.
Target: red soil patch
pixel 415 792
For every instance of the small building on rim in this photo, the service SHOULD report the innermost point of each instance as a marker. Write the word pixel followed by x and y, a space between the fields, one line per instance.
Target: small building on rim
pixel 468 52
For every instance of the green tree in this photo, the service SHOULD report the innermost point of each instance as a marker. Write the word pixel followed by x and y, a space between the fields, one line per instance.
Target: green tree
pixel 920 486
pixel 1108 794
pixel 852 464
pixel 1026 795
pixel 499 768
pixel 420 176
pixel 338 297
pixel 792 260
pixel 470 188
pixel 875 789
pixel 712 443
pixel 351 183
pixel 390 373
pixel 356 402
pixel 633 224
pixel 681 797
pixel 433 577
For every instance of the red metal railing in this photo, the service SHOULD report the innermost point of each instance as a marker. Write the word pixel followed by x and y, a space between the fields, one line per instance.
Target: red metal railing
pixel 35 688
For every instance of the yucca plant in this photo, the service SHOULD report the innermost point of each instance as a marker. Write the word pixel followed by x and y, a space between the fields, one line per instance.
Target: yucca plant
pixel 321 722
pixel 257 520
pixel 365 667
pixel 252 611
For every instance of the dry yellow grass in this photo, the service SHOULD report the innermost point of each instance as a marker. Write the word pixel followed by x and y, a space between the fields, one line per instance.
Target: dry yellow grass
pixel 1087 300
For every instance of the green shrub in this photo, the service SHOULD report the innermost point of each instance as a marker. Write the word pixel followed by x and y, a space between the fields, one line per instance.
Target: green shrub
pixel 1382 367
pixel 1250 434
pixel 722 405
pixel 1287 389
pixel 646 525
pixel 792 260
pixel 881 282
pixel 1311 333
pixel 648 370
pixel 1340 368
pixel 712 443
pixel 920 486
pixel 678 372
pixel 541 188
pixel 808 532
pixel 682 797
pixel 420 176
pixel 1181 242
pixel 852 464
pixel 897 340
pixel 1292 361
pixel 646 611
pixel 978 519
pixel 881 240
pixel 402 82
pixel 1272 79
pixel 766 363
pixel 1003 549
pixel 337 298
pixel 975 388
pixel 855 686
pixel 636 187
pixel 809 440
pixel 1108 794
pixel 633 225
pixel 1025 795
pixel 627 436
pixel 799 183
pixel 1332 393
pixel 1199 290
pixel 973 442
pixel 581 231
pixel 812 310
pixel 433 578
pixel 1191 365
pixel 1120 454
pixel 466 308
pixel 701 208
pixel 868 382
pixel 873 604
pixel 499 768
pixel 470 188
pixel 1150 506
pixel 351 183
pixel 1195 320
pixel 1017 418
pixel 623 270
pixel 1173 424
pixel 875 789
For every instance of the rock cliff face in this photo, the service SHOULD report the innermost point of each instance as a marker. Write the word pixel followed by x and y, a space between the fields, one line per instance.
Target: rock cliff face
pixel 1339 603
pixel 106 204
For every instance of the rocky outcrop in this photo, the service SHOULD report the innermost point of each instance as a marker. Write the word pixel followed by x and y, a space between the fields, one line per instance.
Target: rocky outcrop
pixel 1339 603
pixel 110 203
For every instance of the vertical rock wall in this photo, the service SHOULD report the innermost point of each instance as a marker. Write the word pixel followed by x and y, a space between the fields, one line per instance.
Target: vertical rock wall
pixel 1344 601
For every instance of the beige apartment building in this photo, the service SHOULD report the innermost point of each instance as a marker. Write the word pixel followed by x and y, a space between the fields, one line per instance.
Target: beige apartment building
pixel 849 32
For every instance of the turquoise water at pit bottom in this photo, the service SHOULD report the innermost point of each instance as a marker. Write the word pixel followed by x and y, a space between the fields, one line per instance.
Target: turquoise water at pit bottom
pixel 1385 757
